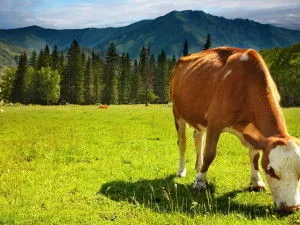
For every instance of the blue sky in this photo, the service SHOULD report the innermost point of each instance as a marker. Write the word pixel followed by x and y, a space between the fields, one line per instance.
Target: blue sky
pixel 61 14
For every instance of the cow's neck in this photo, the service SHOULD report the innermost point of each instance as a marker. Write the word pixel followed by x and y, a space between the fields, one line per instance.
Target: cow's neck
pixel 269 120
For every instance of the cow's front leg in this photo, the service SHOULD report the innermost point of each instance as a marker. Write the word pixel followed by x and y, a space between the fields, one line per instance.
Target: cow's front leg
pixel 209 154
pixel 256 182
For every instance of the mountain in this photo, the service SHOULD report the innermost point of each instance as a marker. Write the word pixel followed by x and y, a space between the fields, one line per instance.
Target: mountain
pixel 166 32
pixel 9 54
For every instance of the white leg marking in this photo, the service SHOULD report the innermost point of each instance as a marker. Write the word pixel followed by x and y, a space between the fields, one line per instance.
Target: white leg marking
pixel 182 147
pixel 200 181
pixel 255 181
pixel 199 139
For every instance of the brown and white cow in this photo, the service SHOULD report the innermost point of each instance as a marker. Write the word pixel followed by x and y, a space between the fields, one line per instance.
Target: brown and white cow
pixel 230 90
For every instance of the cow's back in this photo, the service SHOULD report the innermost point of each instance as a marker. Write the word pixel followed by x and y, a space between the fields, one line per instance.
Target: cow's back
pixel 195 81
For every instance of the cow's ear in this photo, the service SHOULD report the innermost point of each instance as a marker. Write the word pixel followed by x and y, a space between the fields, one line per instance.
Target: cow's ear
pixel 271 172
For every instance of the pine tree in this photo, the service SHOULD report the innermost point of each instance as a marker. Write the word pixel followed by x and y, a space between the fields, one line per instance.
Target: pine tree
pixel 207 44
pixel 61 63
pixel 33 60
pixel 55 59
pixel 89 91
pixel 73 78
pixel 185 48
pixel 124 82
pixel 18 84
pixel 97 68
pixel 161 79
pixel 109 95
pixel 40 61
pixel 146 71
pixel 135 84
pixel 47 57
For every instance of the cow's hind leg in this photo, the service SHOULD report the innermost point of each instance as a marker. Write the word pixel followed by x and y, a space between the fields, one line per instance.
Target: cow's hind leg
pixel 256 182
pixel 199 139
pixel 180 127
pixel 209 154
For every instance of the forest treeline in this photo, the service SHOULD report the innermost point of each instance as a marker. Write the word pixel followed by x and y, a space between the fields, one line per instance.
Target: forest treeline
pixel 79 77
pixel 284 65
pixel 52 77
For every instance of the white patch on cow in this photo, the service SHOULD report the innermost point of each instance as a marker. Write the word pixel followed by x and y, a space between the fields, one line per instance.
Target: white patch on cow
pixel 239 135
pixel 228 72
pixel 285 160
pixel 182 169
pixel 244 57
pixel 205 116
pixel 200 181
pixel 202 128
pixel 256 180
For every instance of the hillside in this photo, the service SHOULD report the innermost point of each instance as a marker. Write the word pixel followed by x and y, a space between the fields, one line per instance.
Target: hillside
pixel 284 64
pixel 9 54
pixel 166 32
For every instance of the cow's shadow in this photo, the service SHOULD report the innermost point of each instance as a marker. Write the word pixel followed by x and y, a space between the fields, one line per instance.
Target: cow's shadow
pixel 165 195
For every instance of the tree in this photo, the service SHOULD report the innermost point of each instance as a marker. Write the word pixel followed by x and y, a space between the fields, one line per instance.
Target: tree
pixel 55 59
pixel 124 79
pixel 33 60
pixel 161 79
pixel 109 95
pixel 97 69
pixel 44 59
pixel 185 48
pixel 29 89
pixel 73 78
pixel 7 83
pixel 89 90
pixel 135 83
pixel 48 86
pixel 146 70
pixel 207 44
pixel 61 63
pixel 16 94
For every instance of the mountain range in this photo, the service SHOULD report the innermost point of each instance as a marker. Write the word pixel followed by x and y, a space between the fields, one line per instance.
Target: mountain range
pixel 167 32
pixel 9 54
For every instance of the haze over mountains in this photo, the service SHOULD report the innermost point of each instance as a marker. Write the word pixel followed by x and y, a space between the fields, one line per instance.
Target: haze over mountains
pixel 167 32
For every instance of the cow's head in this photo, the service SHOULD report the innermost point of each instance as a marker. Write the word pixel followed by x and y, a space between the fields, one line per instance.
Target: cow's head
pixel 281 163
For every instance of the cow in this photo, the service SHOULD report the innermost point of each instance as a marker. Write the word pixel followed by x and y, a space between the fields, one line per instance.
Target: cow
pixel 103 107
pixel 231 90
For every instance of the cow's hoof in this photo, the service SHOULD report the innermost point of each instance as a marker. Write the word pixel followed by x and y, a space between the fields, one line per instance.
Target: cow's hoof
pixel 200 185
pixel 257 188
pixel 181 173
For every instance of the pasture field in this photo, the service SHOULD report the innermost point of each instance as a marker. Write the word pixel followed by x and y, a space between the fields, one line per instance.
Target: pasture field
pixel 84 165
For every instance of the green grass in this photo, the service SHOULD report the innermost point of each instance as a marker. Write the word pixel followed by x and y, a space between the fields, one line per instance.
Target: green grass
pixel 84 165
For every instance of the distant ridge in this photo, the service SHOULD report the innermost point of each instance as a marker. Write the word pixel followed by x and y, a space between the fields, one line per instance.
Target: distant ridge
pixel 167 32
pixel 9 54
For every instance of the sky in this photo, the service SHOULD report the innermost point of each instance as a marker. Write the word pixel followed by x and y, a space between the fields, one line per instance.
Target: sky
pixel 66 14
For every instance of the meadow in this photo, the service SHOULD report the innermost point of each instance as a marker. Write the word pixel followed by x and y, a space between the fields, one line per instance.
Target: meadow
pixel 84 165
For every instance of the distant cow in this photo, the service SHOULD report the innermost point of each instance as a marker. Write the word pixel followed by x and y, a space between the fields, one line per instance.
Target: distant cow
pixel 230 90
pixel 103 107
